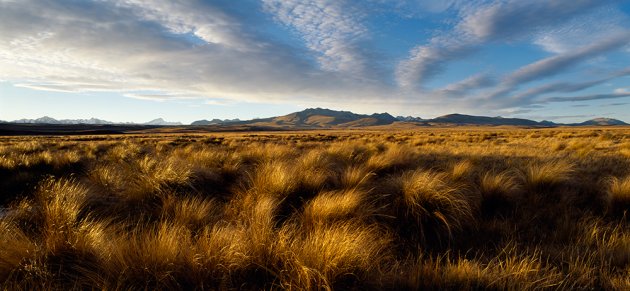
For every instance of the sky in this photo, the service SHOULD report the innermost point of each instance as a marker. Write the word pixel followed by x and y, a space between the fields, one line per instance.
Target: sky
pixel 137 60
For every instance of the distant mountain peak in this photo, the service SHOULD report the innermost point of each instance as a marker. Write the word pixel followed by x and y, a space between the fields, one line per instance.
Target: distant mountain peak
pixel 603 121
pixel 409 118
pixel 161 121
pixel 215 121
pixel 463 119
pixel 325 118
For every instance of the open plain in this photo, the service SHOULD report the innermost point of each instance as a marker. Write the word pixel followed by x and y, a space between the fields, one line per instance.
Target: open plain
pixel 431 208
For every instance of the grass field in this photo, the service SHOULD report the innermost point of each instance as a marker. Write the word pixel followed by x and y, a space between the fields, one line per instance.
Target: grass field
pixel 458 208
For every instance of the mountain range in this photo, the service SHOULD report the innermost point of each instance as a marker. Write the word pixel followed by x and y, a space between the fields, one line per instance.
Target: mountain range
pixel 95 121
pixel 320 118
pixel 313 118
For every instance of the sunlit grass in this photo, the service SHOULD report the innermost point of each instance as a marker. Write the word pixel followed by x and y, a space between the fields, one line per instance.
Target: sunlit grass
pixel 453 208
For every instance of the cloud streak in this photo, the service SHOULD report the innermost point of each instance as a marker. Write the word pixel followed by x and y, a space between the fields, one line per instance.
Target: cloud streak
pixel 479 24
pixel 512 19
pixel 556 64
pixel 529 95
pixel 588 97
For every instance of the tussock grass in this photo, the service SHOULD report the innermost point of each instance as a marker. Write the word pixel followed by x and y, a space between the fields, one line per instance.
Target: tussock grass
pixel 617 197
pixel 448 208
pixel 499 191
pixel 193 212
pixel 337 205
pixel 15 248
pixel 337 254
pixel 354 177
pixel 61 203
pixel 462 170
pixel 509 270
pixel 276 178
pixel 547 174
pixel 429 202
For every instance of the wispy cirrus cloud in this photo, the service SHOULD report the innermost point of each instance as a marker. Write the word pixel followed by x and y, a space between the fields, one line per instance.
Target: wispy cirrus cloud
pixel 464 87
pixel 561 62
pixel 426 61
pixel 615 95
pixel 482 23
pixel 531 94
pixel 552 66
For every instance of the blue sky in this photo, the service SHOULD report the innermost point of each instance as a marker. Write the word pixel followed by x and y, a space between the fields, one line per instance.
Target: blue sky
pixel 136 60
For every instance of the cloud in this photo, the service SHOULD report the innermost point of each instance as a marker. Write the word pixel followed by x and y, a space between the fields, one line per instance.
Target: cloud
pixel 512 19
pixel 615 95
pixel 479 24
pixel 560 87
pixel 464 87
pixel 161 96
pixel 429 60
pixel 552 66
pixel 555 117
pixel 199 48
pixel 208 23
pixel 317 52
pixel 218 102
pixel 563 87
pixel 556 64
pixel 582 30
pixel 331 28
pixel 415 8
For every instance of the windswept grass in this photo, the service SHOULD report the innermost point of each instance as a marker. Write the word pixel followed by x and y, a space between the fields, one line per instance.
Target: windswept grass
pixel 618 196
pixel 541 175
pixel 499 191
pixel 429 203
pixel 449 208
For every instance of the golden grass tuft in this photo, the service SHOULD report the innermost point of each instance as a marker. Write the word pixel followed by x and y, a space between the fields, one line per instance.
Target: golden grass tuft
pixel 331 254
pixel 275 178
pixel 508 270
pixel 148 256
pixel 336 205
pixel 394 157
pixel 498 191
pixel 432 204
pixel 354 177
pixel 617 199
pixel 547 174
pixel 191 211
pixel 221 250
pixel 15 248
pixel 61 202
pixel 462 170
